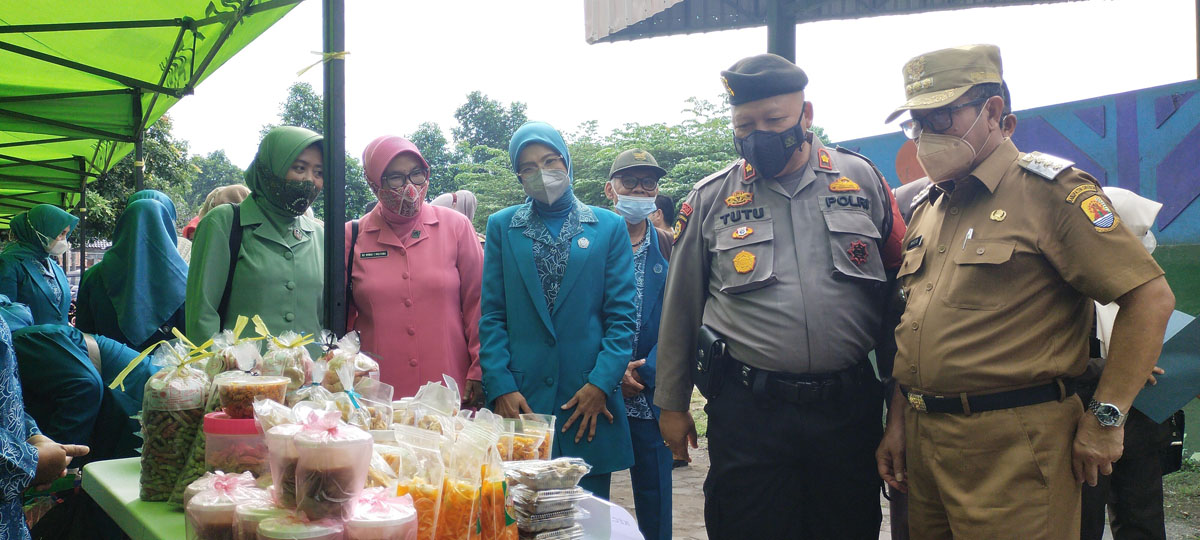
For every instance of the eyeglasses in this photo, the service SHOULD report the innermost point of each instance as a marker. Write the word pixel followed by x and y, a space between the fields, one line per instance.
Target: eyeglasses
pixel 649 183
pixel 937 121
pixel 399 179
pixel 551 162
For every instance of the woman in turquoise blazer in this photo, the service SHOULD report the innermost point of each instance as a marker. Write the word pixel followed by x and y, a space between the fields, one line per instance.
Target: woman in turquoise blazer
pixel 28 273
pixel 557 324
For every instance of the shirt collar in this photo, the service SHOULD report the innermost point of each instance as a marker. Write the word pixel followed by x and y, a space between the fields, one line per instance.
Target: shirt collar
pixel 996 165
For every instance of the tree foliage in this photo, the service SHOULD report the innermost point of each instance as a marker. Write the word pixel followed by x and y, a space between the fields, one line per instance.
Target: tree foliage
pixel 167 169
pixel 303 108
pixel 436 150
pixel 212 171
pixel 483 121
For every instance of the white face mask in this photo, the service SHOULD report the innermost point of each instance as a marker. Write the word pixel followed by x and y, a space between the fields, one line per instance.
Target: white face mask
pixel 634 209
pixel 58 248
pixel 547 186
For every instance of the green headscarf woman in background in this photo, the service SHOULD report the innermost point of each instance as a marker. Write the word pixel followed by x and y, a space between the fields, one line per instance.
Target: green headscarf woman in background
pixel 279 270
pixel 28 272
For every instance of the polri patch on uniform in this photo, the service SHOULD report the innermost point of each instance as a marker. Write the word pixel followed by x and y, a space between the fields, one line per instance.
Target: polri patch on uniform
pixel 744 262
pixel 739 198
pixel 915 243
pixel 742 232
pixel 685 210
pixel 1080 190
pixel 858 252
pixel 998 214
pixel 372 254
pixel 748 172
pixel 844 184
pixel 1098 211
pixel 823 159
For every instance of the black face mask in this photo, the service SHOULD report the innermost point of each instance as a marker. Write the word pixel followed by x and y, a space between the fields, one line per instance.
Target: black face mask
pixel 768 152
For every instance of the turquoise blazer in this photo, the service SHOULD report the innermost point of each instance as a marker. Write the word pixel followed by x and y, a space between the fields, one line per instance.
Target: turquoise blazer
pixel 22 281
pixel 548 356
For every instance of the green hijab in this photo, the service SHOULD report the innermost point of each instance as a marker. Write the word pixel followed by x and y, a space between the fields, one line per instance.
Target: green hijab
pixel 33 229
pixel 266 175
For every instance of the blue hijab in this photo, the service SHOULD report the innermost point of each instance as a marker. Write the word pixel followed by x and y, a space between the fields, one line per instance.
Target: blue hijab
pixel 541 132
pixel 161 197
pixel 143 273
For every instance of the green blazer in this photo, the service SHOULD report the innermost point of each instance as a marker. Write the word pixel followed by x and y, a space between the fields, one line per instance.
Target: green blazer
pixel 22 281
pixel 279 276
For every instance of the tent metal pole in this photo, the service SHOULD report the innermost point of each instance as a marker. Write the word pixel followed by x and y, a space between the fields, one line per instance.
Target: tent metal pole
pixel 781 29
pixel 82 219
pixel 39 141
pixel 127 81
pixel 100 25
pixel 335 166
pixel 139 157
pixel 49 122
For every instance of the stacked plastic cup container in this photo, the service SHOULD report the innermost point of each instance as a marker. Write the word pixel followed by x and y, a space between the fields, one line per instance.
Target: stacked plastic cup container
pixel 545 497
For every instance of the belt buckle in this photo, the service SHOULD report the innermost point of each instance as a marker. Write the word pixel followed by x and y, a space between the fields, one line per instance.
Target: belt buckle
pixel 917 401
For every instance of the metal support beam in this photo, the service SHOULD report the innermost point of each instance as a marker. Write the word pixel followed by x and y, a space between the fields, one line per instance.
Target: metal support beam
pixel 198 72
pixel 139 157
pixel 127 81
pixel 82 228
pixel 109 25
pixel 67 125
pixel 781 28
pixel 335 167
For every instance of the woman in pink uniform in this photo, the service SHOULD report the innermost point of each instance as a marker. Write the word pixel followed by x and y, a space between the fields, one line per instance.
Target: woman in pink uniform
pixel 415 277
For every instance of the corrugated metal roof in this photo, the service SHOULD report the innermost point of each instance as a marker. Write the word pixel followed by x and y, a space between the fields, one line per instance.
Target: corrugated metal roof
pixel 623 20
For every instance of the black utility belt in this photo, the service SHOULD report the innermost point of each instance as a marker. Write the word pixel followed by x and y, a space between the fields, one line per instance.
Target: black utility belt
pixel 800 389
pixel 967 404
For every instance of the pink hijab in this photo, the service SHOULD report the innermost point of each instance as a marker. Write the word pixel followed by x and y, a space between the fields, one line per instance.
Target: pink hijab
pixel 376 157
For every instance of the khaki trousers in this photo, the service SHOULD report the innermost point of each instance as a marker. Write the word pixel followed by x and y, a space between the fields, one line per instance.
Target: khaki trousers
pixel 994 475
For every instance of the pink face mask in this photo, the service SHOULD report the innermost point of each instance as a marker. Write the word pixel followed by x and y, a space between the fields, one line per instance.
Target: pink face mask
pixel 406 201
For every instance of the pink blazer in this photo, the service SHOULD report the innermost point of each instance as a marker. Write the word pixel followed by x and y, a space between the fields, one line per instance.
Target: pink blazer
pixel 416 299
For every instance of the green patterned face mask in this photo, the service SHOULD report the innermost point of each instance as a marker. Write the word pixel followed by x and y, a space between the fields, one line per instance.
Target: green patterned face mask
pixel 291 196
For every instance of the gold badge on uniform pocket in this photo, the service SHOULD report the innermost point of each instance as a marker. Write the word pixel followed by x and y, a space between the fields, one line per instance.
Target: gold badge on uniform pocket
pixel 743 262
pixel 742 232
pixel 998 215
pixel 739 198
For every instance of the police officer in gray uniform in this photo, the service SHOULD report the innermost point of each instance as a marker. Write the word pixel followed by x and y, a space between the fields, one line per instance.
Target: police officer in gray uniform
pixel 780 270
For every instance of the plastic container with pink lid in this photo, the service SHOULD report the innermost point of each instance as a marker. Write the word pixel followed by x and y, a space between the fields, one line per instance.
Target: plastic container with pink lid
pixel 234 445
pixel 249 514
pixel 380 515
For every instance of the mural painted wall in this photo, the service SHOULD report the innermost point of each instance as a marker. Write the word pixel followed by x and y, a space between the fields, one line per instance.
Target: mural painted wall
pixel 1147 141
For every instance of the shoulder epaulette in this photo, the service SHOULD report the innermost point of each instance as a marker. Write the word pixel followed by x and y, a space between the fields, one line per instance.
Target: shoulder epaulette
pixel 1044 165
pixel 719 174
pixel 921 196
pixel 845 150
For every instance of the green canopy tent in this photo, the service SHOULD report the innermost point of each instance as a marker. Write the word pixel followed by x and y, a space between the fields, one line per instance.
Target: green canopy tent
pixel 82 80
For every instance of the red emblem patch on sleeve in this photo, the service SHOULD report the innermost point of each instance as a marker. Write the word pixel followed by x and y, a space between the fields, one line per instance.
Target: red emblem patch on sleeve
pixel 858 252
pixel 686 209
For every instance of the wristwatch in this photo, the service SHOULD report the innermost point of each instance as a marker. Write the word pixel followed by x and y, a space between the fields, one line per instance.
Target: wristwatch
pixel 1107 414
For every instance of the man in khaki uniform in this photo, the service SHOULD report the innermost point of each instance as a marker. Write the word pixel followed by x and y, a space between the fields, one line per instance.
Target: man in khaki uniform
pixel 1003 254
pixel 786 255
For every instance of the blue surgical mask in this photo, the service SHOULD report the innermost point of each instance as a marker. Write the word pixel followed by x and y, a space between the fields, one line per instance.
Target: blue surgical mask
pixel 635 209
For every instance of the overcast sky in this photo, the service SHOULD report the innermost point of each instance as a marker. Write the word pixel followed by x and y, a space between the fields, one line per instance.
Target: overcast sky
pixel 413 61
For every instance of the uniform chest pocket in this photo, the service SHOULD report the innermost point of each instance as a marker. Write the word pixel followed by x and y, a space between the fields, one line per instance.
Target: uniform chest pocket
pixel 854 244
pixel 745 257
pixel 979 277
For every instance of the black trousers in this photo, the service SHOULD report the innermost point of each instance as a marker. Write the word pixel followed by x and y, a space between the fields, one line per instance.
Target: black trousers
pixel 1134 491
pixel 784 471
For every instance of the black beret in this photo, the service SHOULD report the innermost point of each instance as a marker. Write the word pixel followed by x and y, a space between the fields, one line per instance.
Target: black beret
pixel 762 76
